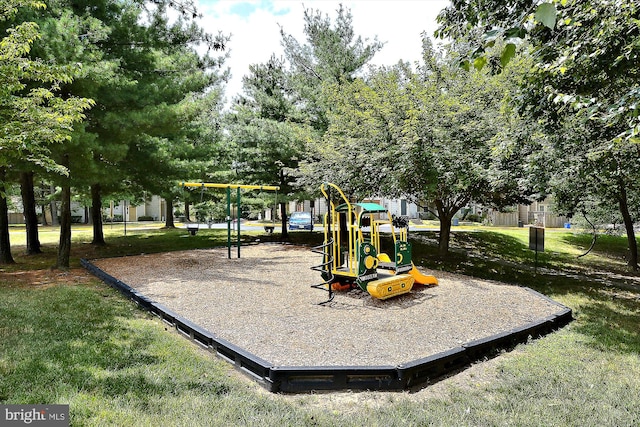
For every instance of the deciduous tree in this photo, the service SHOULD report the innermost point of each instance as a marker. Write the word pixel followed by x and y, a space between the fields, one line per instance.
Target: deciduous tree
pixel 428 136
pixel 584 87
pixel 33 114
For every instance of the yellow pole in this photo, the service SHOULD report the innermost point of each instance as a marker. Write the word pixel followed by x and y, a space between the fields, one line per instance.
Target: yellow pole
pixel 217 185
pixel 351 235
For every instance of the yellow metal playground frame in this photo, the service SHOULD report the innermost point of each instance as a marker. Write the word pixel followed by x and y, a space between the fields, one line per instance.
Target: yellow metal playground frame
pixel 228 187
pixel 363 256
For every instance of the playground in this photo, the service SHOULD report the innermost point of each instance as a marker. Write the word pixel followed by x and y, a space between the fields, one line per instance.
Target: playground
pixel 264 304
pixel 379 323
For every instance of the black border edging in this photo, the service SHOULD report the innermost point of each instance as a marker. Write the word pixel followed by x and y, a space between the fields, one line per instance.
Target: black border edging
pixel 243 360
pixel 298 379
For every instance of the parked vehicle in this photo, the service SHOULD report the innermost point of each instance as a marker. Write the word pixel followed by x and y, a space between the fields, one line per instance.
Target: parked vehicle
pixel 300 221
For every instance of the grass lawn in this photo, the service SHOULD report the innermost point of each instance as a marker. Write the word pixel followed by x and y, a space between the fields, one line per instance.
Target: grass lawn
pixel 67 338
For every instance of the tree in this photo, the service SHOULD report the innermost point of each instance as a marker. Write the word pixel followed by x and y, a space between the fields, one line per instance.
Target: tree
pixel 588 49
pixel 283 110
pixel 64 245
pixel 5 242
pixel 31 218
pixel 591 175
pixel 32 116
pixel 269 131
pixel 139 65
pixel 428 136
pixel 332 54
pixel 587 66
pixel 186 145
pixel 173 109
pixel 360 150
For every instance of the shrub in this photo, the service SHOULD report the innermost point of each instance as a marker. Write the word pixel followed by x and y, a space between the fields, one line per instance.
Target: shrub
pixel 426 216
pixel 474 218
pixel 75 219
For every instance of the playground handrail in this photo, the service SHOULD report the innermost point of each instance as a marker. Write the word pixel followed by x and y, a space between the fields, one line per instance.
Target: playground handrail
pixel 351 228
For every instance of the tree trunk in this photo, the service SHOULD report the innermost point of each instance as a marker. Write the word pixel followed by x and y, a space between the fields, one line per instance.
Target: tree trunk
pixel 632 260
pixel 5 243
pixel 64 248
pixel 445 215
pixel 30 214
pixel 96 215
pixel 54 207
pixel 169 214
pixel 445 235
pixel 283 215
pixel 186 211
pixel 43 208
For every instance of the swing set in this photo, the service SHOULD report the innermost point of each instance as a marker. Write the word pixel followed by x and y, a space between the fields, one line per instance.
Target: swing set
pixel 229 187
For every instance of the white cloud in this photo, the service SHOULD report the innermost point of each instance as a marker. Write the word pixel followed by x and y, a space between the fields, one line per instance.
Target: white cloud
pixel 255 27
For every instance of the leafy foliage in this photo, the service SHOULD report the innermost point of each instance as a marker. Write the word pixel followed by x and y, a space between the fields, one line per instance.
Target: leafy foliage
pixel 429 136
pixel 583 89
pixel 277 122
pixel 332 54
pixel 32 117
pixel 587 51
pixel 140 67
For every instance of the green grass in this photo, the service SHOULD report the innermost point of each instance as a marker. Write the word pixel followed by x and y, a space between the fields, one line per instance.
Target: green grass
pixel 85 345
pixel 140 238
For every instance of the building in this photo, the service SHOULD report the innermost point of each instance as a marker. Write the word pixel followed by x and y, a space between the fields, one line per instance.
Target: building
pixel 541 213
pixel 79 213
pixel 537 213
pixel 318 207
pixel 153 209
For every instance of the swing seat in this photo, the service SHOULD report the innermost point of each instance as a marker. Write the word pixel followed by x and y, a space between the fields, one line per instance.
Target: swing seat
pixel 269 228
pixel 192 229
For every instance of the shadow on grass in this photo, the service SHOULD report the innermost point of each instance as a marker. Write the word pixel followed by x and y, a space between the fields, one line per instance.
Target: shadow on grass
pixel 66 340
pixel 612 250
pixel 158 241
pixel 475 253
pixel 613 325
pixel 606 315
pixel 136 243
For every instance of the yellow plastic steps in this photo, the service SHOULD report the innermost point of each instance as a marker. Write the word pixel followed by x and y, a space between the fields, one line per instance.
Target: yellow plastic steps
pixel 390 286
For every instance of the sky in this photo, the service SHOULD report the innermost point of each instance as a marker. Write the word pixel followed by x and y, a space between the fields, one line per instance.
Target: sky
pixel 254 27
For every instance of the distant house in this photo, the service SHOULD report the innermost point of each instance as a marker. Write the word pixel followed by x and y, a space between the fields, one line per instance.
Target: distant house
pixel 153 208
pixel 16 212
pixel 537 213
pixel 541 213
pixel 318 207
